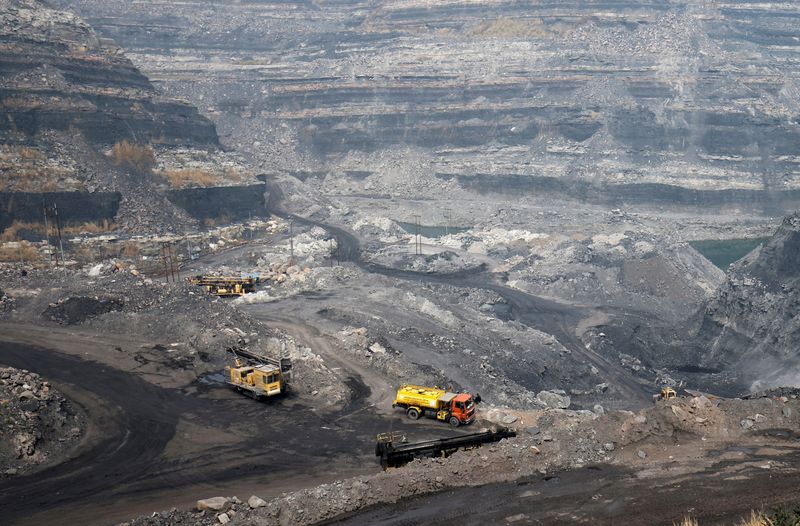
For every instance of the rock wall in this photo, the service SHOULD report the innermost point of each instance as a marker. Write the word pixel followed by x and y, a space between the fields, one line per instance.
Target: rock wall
pixel 73 207
pixel 231 203
pixel 752 325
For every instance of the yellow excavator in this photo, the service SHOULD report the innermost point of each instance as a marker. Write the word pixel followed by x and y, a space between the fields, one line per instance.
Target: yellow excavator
pixel 262 378
pixel 667 393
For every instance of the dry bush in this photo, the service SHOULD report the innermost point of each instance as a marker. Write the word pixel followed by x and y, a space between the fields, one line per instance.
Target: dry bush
pixel 756 519
pixel 29 153
pixel 89 227
pixel 48 186
pixel 687 521
pixel 83 254
pixel 19 252
pixel 188 177
pixel 139 157
pixel 11 233
pixel 130 249
pixel 231 174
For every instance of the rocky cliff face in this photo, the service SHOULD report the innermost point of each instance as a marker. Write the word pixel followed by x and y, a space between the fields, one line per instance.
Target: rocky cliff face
pixel 753 323
pixel 625 102
pixel 68 96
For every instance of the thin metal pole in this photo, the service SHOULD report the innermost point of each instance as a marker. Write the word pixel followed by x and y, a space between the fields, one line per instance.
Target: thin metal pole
pixel 47 231
pixel 164 257
pixel 60 238
pixel 291 242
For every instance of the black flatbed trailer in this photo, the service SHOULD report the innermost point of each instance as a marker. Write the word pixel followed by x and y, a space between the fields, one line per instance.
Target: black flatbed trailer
pixel 394 453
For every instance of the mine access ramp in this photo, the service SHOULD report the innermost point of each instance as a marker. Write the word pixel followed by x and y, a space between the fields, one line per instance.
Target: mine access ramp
pixel 393 452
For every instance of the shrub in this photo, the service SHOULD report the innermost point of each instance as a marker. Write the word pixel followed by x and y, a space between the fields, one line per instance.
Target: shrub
pixel 11 233
pixel 130 250
pixel 29 153
pixel 139 157
pixel 22 251
pixel 783 517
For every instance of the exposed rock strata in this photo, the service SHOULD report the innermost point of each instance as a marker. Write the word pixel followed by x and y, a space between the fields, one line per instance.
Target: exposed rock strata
pixel 627 102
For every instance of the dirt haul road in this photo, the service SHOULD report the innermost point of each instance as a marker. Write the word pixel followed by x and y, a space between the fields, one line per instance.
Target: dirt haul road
pixel 548 316
pixel 151 447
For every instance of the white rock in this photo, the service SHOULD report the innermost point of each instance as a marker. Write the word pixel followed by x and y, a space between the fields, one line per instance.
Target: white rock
pixel 214 504
pixel 256 502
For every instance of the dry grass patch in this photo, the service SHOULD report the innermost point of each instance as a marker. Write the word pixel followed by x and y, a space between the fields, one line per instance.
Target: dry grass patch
pixel 29 153
pixel 11 233
pixel 687 521
pixel 139 157
pixel 90 227
pixel 189 177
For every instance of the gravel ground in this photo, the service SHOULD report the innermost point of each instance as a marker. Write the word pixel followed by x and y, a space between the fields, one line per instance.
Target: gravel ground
pixel 673 435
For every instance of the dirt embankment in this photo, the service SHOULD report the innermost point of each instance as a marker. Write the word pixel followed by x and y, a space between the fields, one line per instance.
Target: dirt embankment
pixel 672 438
pixel 39 425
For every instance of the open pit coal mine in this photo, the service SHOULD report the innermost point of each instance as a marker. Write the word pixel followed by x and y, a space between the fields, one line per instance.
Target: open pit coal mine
pixel 399 262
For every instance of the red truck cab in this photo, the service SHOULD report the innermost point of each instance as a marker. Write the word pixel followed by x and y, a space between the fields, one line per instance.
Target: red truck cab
pixel 462 407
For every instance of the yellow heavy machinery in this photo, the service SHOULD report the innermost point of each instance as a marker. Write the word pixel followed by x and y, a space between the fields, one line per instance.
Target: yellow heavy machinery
pixel 262 378
pixel 258 381
pixel 667 393
pixel 224 286
pixel 455 408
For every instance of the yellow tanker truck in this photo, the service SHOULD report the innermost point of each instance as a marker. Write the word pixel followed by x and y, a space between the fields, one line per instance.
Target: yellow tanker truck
pixel 455 408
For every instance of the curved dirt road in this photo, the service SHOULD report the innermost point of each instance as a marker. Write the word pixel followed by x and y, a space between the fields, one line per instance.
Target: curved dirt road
pixel 151 448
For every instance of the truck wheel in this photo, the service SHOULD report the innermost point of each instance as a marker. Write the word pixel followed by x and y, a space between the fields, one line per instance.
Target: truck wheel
pixel 413 414
pixel 455 422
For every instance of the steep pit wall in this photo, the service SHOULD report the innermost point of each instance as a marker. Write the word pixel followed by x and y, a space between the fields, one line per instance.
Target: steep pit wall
pixel 73 207
pixel 226 203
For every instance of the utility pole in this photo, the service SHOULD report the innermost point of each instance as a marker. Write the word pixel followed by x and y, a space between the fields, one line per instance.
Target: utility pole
pixel 417 238
pixel 169 267
pixel 164 259
pixel 291 242
pixel 60 238
pixel 173 267
pixel 47 231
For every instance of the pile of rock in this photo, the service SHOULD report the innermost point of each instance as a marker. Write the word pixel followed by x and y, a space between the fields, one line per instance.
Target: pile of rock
pixel 38 423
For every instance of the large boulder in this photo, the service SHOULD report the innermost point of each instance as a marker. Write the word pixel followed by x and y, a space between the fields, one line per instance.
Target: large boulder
pixel 554 399
pixel 214 504
pixel 256 502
